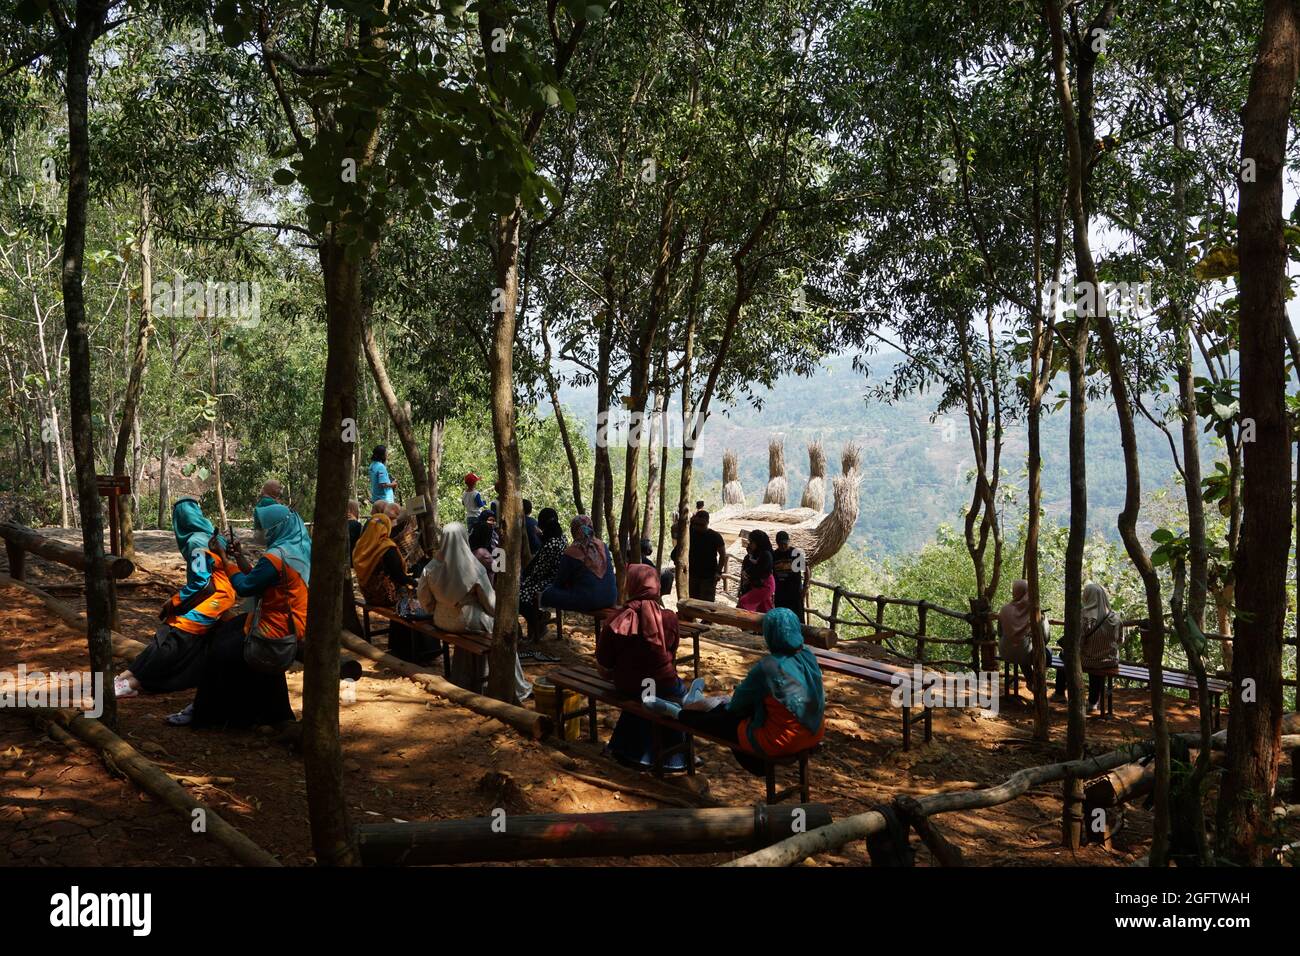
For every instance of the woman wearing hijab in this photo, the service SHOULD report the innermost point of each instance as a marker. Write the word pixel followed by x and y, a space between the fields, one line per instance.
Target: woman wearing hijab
pixel 1015 630
pixel 639 643
pixel 174 658
pixel 778 709
pixel 483 539
pixel 456 590
pixel 542 570
pixel 1102 634
pixel 585 581
pixel 381 573
pixel 757 590
pixel 243 677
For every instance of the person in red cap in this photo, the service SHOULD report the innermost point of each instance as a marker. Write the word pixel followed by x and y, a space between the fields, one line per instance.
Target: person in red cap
pixel 472 500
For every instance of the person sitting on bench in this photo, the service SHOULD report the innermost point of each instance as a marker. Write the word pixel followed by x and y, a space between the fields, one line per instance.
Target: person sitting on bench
pixel 1015 627
pixel 241 686
pixel 456 590
pixel 1103 631
pixel 586 578
pixel 382 576
pixel 778 709
pixel 542 570
pixel 174 658
pixel 637 644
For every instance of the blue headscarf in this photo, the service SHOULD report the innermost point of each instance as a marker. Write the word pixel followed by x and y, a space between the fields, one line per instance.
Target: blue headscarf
pixel 791 671
pixel 286 534
pixel 193 531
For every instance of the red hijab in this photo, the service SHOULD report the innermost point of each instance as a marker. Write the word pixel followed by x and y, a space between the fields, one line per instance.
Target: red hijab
pixel 641 638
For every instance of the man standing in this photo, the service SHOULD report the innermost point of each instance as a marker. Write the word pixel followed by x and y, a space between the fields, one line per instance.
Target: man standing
pixel 790 569
pixel 708 558
pixel 381 485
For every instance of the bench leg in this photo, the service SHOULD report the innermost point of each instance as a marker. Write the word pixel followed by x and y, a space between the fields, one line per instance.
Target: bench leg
pixel 907 728
pixel 1110 695
pixel 591 720
pixel 1215 700
pixel 690 755
pixel 771 781
pixel 657 745
pixel 804 789
pixel 695 638
pixel 559 624
pixel 365 624
pixel 929 717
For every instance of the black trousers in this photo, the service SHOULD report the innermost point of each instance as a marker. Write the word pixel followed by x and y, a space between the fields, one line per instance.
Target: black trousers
pixel 1096 685
pixel 720 722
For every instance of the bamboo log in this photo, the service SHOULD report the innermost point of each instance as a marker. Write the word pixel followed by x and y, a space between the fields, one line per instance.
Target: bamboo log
pixel 123 646
pixel 506 838
pixel 528 722
pixel 156 782
pixel 53 550
pixel 794 849
pixel 692 609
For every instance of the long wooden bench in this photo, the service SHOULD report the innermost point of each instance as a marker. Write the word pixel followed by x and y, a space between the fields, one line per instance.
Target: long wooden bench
pixel 588 683
pixel 1126 670
pixel 837 662
pixel 476 644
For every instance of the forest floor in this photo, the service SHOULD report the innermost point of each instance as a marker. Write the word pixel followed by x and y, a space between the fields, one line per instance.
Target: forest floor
pixel 411 756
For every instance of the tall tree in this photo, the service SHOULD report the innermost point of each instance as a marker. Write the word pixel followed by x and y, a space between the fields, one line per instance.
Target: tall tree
pixel 1254 727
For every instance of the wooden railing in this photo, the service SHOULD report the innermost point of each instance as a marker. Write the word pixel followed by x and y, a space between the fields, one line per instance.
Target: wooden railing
pixel 867 622
pixel 874 627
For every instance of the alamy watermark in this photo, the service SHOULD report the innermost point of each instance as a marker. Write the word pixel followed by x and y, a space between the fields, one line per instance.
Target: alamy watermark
pixel 930 688
pixel 82 690
pixel 210 298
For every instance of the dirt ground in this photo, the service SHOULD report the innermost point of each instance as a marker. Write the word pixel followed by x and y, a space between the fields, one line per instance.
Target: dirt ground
pixel 411 756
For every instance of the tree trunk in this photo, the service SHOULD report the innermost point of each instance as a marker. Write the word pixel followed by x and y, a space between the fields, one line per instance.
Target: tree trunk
pixel 135 378
pixel 436 428
pixel 402 422
pixel 502 659
pixel 78 39
pixel 1255 726
pixel 332 836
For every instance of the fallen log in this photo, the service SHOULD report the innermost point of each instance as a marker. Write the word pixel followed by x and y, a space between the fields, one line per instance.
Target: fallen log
pixel 798 848
pixel 21 538
pixel 1136 780
pixel 528 722
pixel 503 838
pixel 692 609
pixel 153 780
pixel 123 646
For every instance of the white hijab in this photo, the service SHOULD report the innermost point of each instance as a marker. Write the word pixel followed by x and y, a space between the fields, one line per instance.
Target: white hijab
pixel 452 573
pixel 1096 607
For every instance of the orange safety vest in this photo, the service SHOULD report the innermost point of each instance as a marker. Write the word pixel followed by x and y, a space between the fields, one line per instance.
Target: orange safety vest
pixel 283 605
pixel 218 597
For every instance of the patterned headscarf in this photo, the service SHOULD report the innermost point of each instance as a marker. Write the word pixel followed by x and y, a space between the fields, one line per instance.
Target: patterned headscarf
pixel 586 547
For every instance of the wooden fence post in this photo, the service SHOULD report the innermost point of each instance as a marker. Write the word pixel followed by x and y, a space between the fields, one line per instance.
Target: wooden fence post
pixel 981 660
pixel 920 631
pixel 880 617
pixel 835 607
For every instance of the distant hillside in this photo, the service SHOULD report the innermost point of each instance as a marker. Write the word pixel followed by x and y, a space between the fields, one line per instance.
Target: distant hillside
pixel 915 470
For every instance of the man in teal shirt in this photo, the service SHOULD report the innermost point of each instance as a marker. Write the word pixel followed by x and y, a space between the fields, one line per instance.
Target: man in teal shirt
pixel 381 485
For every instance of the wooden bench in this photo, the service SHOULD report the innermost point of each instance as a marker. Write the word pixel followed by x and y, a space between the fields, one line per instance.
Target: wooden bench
pixel 1127 670
pixel 476 644
pixel 879 672
pixel 588 683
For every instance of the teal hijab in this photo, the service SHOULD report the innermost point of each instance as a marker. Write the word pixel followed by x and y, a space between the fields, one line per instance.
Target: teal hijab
pixel 791 671
pixel 192 529
pixel 286 534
